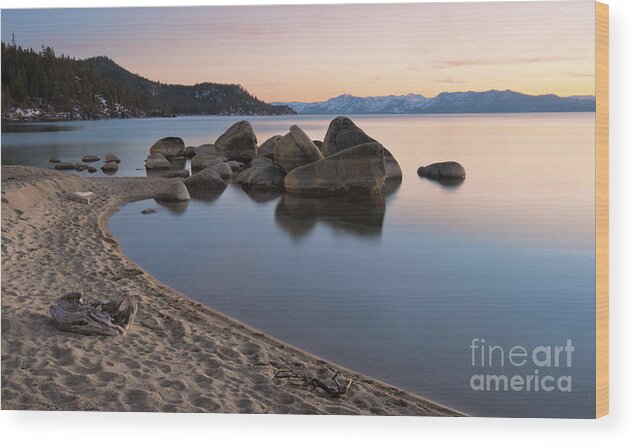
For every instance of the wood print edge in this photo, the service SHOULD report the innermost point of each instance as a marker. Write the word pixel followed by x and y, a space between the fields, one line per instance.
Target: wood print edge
pixel 602 207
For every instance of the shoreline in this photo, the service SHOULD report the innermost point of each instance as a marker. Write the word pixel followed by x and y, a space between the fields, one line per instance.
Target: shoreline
pixel 178 355
pixel 28 121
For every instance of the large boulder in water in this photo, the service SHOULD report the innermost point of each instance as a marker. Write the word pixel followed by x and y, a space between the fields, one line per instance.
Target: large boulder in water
pixel 157 161
pixel 343 133
pixel 266 149
pixel 449 170
pixel 238 142
pixel 261 175
pixel 175 192
pixel 295 149
pixel 169 147
pixel 207 180
pixel 356 170
pixel 205 156
pixel 392 168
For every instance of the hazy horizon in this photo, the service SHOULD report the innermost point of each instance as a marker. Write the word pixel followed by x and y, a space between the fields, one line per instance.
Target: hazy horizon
pixel 312 53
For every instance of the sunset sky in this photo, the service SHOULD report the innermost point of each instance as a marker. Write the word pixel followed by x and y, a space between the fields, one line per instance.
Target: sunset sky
pixel 311 53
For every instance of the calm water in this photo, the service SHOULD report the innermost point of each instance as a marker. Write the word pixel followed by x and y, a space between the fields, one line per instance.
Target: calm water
pixel 395 286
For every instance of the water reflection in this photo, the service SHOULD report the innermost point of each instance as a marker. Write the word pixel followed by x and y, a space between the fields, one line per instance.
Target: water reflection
pixel 359 215
pixel 261 197
pixel 445 183
pixel 35 128
pixel 173 207
pixel 205 196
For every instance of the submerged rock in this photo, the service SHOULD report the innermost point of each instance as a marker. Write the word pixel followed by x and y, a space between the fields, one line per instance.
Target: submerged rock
pixel 54 160
pixel 110 167
pixel 295 149
pixel 80 166
pixel 360 170
pixel 112 158
pixel 261 175
pixel 175 192
pixel 207 180
pixel 156 161
pixel 238 142
pixel 90 158
pixel 149 211
pixel 449 170
pixel 64 166
pixel 169 147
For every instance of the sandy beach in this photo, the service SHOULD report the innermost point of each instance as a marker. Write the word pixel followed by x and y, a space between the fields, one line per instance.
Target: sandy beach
pixel 178 356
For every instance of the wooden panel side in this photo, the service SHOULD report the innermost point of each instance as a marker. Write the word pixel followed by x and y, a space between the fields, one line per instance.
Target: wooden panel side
pixel 602 209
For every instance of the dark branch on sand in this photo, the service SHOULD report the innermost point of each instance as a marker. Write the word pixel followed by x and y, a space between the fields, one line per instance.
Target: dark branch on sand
pixel 304 380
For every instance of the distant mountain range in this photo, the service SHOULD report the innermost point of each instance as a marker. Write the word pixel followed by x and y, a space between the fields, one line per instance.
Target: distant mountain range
pixel 39 85
pixel 493 101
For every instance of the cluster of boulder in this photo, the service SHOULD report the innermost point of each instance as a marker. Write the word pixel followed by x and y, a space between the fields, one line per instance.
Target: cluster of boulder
pixel 347 162
pixel 111 163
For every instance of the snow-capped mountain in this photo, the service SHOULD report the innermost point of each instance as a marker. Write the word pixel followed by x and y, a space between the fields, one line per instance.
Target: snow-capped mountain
pixel 493 101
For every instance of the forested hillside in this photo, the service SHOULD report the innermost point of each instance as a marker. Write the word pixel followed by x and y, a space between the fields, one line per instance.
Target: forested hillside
pixel 42 85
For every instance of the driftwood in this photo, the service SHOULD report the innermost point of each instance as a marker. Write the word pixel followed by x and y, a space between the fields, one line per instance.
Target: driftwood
pixel 109 318
pixel 330 387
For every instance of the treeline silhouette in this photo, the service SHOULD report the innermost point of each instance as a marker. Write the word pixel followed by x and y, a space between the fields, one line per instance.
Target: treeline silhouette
pixel 98 87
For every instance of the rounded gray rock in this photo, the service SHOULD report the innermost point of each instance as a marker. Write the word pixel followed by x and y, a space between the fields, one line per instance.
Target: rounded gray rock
pixel 238 142
pixel 295 149
pixel 169 147
pixel 266 149
pixel 157 161
pixel 110 167
pixel 261 175
pixel 175 192
pixel 223 169
pixel 206 180
pixel 449 170
pixel 356 170
pixel 112 158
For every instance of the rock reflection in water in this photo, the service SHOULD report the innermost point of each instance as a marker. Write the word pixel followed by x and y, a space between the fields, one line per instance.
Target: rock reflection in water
pixel 173 207
pixel 356 214
pixel 261 197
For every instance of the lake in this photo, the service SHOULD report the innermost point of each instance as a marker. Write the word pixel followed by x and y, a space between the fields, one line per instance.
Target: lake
pixel 397 286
